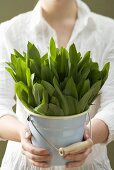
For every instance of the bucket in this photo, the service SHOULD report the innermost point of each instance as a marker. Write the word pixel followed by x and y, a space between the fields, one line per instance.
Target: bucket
pixel 52 133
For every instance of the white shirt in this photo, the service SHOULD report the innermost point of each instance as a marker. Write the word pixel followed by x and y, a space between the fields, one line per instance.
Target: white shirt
pixel 91 32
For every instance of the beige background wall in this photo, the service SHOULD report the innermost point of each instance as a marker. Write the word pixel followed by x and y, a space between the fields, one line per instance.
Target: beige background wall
pixel 10 8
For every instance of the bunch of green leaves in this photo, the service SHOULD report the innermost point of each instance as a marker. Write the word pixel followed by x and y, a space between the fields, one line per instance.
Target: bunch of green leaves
pixel 60 83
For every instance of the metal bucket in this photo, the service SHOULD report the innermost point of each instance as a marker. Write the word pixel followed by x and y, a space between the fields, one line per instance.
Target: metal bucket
pixel 54 132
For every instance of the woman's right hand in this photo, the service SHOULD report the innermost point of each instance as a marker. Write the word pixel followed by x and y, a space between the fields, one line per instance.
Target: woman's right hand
pixel 38 157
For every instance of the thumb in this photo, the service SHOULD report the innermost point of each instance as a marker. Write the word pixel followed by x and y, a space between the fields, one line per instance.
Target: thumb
pixel 26 135
pixel 86 133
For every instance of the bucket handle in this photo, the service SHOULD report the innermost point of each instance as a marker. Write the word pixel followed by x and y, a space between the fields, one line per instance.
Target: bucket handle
pixel 74 148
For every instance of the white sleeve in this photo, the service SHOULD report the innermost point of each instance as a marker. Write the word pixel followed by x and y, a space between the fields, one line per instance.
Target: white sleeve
pixel 6 82
pixel 106 111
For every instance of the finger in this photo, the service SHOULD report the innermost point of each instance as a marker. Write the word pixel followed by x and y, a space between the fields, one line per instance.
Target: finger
pixel 80 156
pixel 26 135
pixel 39 164
pixel 74 164
pixel 86 133
pixel 37 158
pixel 34 150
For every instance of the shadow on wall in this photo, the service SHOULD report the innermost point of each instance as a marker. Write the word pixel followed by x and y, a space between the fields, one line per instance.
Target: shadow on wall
pixel 103 7
pixel 2 150
pixel 11 8
pixel 14 8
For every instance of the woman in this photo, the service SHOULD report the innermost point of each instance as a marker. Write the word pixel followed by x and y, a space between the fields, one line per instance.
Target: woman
pixel 68 22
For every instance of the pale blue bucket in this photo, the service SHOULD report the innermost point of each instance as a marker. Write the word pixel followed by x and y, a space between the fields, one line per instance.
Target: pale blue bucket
pixel 57 131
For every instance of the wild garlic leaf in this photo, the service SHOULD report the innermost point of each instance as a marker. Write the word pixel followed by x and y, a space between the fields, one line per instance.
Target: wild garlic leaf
pixel 104 73
pixel 95 91
pixel 38 93
pixel 28 76
pixel 61 82
pixel 14 61
pixel 84 101
pixel 95 74
pixel 42 109
pixel 33 53
pixel 72 105
pixel 74 59
pixel 52 50
pixel 46 74
pixel 61 97
pixel 54 100
pixel 11 73
pixel 84 60
pixel 49 88
pixel 70 88
pixel 11 66
pixel 85 88
pixel 61 64
pixel 34 68
pixel 22 92
pixel 21 71
pixel 55 110
pixel 18 55
pixel 45 97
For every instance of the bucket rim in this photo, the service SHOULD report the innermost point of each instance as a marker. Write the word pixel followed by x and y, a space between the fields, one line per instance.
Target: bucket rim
pixel 54 117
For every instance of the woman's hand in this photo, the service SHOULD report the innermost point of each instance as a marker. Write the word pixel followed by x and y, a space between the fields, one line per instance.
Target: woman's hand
pixel 39 157
pixel 77 159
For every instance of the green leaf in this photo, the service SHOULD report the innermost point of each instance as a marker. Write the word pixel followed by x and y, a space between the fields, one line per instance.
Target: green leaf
pixel 84 60
pixel 54 100
pixel 83 103
pixel 52 49
pixel 53 69
pixel 104 73
pixel 95 91
pixel 95 74
pixel 55 110
pixel 21 71
pixel 46 74
pixel 11 72
pixel 49 88
pixel 34 69
pixel 61 97
pixel 70 88
pixel 72 104
pixel 45 96
pixel 33 53
pixel 61 64
pixel 88 97
pixel 18 55
pixel 22 92
pixel 42 109
pixel 85 88
pixel 83 73
pixel 28 76
pixel 38 93
pixel 73 55
pixel 44 57
pixel 11 66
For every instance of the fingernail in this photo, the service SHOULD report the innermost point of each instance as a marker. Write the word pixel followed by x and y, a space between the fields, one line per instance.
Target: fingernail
pixel 27 134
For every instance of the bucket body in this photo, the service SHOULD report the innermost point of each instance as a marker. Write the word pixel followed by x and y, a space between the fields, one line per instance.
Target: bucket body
pixel 58 131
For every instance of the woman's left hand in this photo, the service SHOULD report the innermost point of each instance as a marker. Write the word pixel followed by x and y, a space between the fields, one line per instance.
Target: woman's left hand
pixel 77 159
